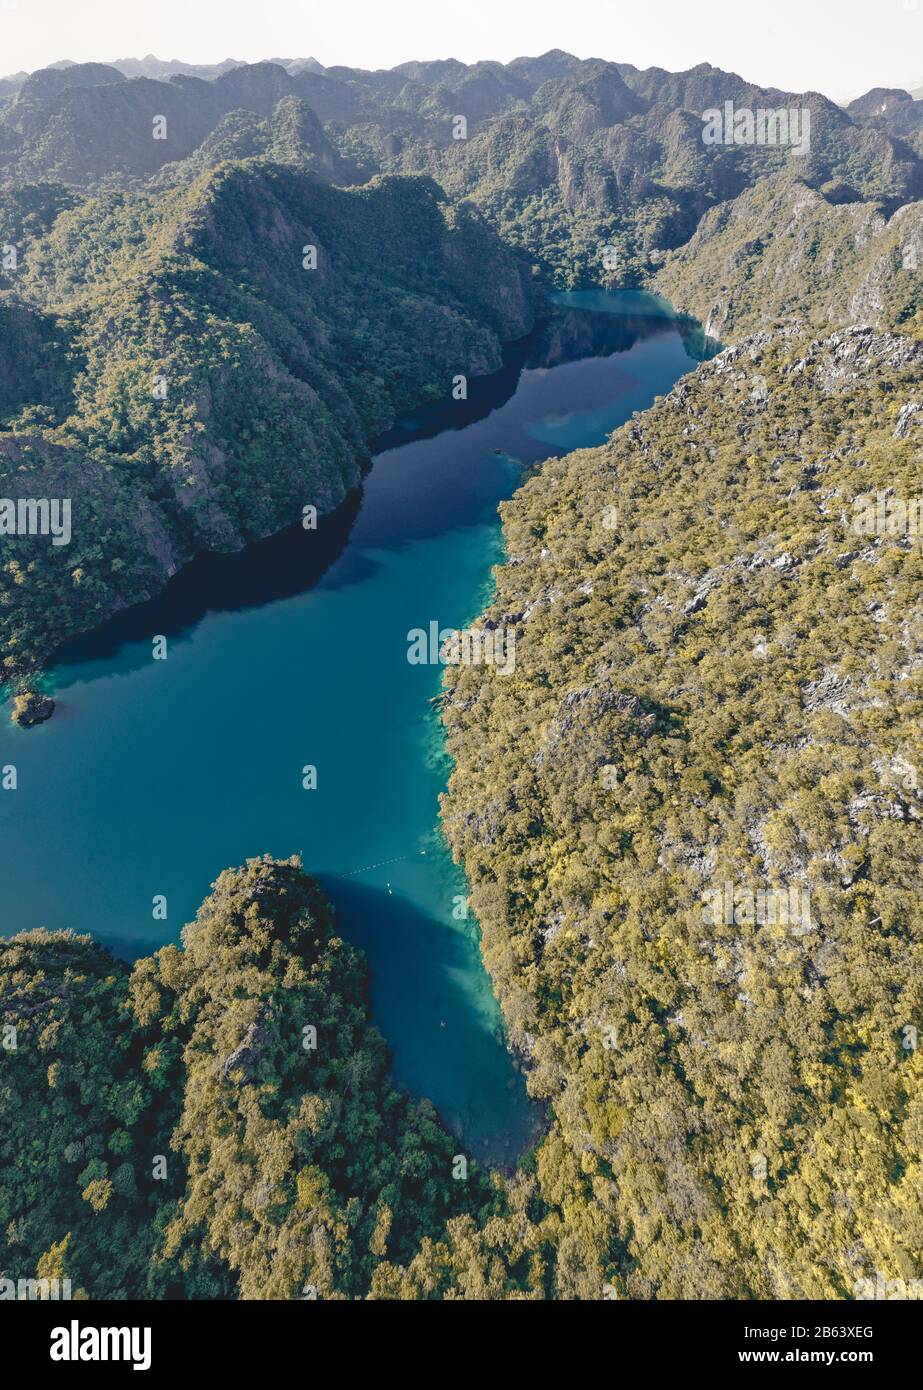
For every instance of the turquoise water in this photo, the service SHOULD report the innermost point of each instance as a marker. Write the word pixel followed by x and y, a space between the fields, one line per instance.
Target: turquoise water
pixel 155 775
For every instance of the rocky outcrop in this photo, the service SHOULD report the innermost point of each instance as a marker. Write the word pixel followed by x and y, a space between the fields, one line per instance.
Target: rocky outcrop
pixel 32 707
pixel 782 253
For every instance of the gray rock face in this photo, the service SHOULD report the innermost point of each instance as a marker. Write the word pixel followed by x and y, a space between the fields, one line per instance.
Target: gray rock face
pixel 910 415
pixel 243 1062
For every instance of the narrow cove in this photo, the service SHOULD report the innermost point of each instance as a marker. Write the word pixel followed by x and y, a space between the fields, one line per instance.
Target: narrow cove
pixel 153 776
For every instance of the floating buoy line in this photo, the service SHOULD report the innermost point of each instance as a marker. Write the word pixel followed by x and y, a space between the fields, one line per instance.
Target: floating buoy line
pixel 398 859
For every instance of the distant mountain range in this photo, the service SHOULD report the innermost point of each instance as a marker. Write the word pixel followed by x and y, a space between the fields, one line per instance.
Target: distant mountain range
pixel 152 66
pixel 567 157
pixel 162 69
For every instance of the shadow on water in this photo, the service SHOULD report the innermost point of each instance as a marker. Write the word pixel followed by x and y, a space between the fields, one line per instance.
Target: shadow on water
pixel 294 561
pixel 637 313
pixel 433 1025
pixel 291 561
pixel 288 563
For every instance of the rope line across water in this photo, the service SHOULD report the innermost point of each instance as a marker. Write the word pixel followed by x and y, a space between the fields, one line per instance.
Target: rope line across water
pixel 398 858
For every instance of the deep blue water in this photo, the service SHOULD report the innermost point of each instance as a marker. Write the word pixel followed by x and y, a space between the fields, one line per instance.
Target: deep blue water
pixel 155 775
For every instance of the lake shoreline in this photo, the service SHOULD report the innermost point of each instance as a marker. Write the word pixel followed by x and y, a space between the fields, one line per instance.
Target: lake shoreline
pixel 176 779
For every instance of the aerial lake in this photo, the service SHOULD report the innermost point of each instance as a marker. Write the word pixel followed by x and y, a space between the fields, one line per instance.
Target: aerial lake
pixel 153 776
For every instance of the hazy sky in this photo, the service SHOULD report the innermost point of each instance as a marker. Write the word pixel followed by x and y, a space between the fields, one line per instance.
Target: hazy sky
pixel 839 47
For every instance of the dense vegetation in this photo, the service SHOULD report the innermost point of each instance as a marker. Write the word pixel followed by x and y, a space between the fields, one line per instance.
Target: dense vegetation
pixel 783 253
pixel 178 1129
pixel 170 364
pixel 717 681
pixel 597 182
pixel 566 157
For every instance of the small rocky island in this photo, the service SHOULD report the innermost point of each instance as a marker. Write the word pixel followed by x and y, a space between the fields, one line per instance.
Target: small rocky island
pixel 32 707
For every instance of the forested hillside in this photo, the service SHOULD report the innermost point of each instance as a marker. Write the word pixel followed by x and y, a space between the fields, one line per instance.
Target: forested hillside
pixel 593 165
pixel 218 1121
pixel 782 253
pixel 717 682
pixel 567 157
pixel 690 818
pixel 193 368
